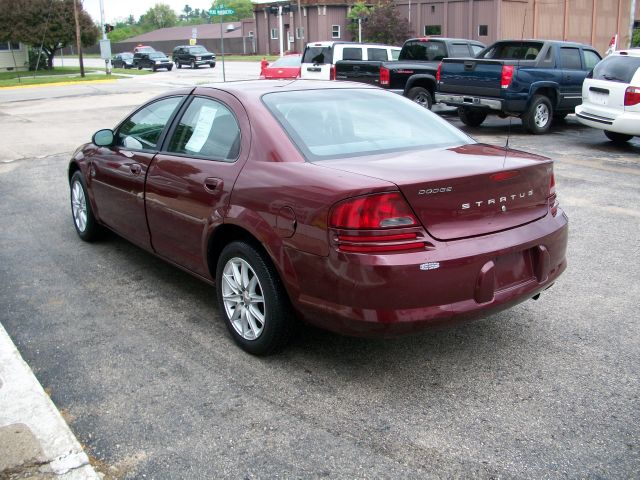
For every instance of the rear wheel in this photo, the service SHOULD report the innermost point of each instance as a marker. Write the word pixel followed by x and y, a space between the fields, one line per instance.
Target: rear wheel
pixel 421 96
pixel 472 117
pixel 193 64
pixel 537 118
pixel 252 299
pixel 619 138
pixel 178 64
pixel 86 225
pixel 212 65
pixel 169 69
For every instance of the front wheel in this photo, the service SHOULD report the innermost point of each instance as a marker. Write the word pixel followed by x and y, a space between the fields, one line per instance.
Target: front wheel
pixel 421 96
pixel 178 64
pixel 193 64
pixel 471 117
pixel 86 225
pixel 169 69
pixel 252 299
pixel 537 119
pixel 212 65
pixel 619 138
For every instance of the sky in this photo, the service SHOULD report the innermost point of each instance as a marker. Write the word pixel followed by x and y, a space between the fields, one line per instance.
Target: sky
pixel 121 9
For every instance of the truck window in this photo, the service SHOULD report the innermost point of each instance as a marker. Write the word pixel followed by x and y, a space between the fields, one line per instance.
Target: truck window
pixel 458 50
pixel 377 54
pixel 570 58
pixel 352 53
pixel 428 50
pixel 514 51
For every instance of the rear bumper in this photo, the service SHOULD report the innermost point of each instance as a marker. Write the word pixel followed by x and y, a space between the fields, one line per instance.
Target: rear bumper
pixel 383 295
pixel 622 122
pixel 470 101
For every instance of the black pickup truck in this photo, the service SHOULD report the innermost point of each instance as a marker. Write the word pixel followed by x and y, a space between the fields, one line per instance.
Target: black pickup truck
pixel 414 73
pixel 535 80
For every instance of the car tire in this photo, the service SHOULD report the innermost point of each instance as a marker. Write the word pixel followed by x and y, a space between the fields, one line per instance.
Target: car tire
pixel 178 64
pixel 139 67
pixel 87 228
pixel 471 117
pixel 211 65
pixel 421 96
pixel 169 69
pixel 154 69
pixel 193 64
pixel 618 138
pixel 538 118
pixel 247 284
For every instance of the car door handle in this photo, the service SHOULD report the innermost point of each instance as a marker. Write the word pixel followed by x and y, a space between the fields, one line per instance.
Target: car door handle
pixel 213 185
pixel 135 168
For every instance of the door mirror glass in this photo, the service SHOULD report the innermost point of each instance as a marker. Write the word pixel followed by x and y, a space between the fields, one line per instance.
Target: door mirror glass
pixel 103 138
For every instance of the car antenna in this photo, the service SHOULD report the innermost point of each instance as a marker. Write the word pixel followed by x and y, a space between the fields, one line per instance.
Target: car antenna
pixel 506 145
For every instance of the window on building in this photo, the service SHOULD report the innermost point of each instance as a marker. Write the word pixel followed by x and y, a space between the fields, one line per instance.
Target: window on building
pixel 433 30
pixel 5 46
pixel 335 31
pixel 251 33
pixel 274 34
pixel 483 30
pixel 570 58
pixel 300 32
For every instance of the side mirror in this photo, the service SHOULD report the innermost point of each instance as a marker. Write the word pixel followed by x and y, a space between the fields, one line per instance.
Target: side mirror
pixel 103 138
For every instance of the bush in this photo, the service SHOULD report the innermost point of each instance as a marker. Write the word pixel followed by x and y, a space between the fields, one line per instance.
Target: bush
pixel 34 53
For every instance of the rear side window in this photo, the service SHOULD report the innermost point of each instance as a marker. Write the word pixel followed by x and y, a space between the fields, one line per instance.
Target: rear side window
pixel 378 54
pixel 142 130
pixel 318 55
pixel 431 51
pixel 458 50
pixel 207 129
pixel 570 58
pixel 617 68
pixel 352 54
pixel 514 51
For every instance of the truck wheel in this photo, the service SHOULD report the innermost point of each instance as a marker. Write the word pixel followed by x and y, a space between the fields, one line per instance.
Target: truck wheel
pixel 178 64
pixel 421 96
pixel 538 117
pixel 193 64
pixel 472 117
pixel 619 138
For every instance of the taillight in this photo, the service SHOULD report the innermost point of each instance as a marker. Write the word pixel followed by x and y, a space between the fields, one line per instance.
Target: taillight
pixel 332 73
pixel 385 77
pixel 375 224
pixel 438 72
pixel 553 202
pixel 631 96
pixel 506 76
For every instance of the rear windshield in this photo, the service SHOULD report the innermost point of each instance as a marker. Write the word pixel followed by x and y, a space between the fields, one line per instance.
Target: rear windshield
pixel 513 51
pixel 288 61
pixel 430 50
pixel 617 68
pixel 328 124
pixel 317 55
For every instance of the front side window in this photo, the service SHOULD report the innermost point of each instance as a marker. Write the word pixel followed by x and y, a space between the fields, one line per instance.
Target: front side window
pixel 335 31
pixel 476 49
pixel 570 58
pixel 459 50
pixel 591 59
pixel 329 124
pixel 142 130
pixel 207 129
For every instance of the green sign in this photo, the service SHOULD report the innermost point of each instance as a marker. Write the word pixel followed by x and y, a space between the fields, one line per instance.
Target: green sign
pixel 221 11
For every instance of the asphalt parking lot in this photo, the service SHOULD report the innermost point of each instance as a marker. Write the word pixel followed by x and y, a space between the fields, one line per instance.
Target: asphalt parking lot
pixel 135 356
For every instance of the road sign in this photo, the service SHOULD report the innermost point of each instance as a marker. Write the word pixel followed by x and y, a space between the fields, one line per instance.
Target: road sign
pixel 221 11
pixel 192 41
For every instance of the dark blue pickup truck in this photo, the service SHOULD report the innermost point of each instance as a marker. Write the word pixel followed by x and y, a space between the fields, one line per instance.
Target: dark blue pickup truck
pixel 535 80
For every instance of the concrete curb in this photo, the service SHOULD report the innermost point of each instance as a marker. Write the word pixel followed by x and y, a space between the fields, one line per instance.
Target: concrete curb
pixel 34 438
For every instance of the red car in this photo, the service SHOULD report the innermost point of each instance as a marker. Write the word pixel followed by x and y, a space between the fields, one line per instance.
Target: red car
pixel 347 206
pixel 285 67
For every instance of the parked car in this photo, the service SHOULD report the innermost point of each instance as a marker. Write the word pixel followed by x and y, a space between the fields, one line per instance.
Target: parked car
pixel 337 203
pixel 193 55
pixel 143 49
pixel 285 67
pixel 535 80
pixel 611 96
pixel 152 60
pixel 414 74
pixel 122 60
pixel 344 60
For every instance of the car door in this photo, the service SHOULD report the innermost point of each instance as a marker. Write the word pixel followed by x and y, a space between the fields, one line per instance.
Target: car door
pixel 573 74
pixel 117 173
pixel 190 182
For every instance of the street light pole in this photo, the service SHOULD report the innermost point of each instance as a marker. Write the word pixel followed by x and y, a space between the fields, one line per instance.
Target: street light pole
pixel 78 41
pixel 222 48
pixel 281 28
pixel 107 61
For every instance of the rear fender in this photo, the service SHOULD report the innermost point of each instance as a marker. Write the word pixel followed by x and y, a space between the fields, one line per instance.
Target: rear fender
pixel 548 89
pixel 423 80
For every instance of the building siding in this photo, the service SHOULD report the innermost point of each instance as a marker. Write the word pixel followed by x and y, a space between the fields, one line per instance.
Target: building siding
pixel 16 60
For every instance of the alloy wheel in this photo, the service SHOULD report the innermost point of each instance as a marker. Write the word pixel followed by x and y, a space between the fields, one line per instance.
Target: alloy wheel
pixel 541 116
pixel 243 298
pixel 79 206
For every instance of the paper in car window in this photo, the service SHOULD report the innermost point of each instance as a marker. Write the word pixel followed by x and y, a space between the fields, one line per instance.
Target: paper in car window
pixel 203 127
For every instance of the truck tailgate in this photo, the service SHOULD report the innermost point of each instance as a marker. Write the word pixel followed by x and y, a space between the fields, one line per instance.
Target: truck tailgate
pixel 471 76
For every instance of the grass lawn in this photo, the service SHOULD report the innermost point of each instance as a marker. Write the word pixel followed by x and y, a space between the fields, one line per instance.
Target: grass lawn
pixel 40 73
pixel 65 75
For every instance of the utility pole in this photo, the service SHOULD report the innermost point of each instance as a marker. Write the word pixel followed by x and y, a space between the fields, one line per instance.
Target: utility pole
pixel 281 28
pixel 78 41
pixel 300 28
pixel 632 14
pixel 107 61
pixel 359 29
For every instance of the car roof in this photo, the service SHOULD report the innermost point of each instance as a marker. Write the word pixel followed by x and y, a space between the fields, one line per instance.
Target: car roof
pixel 446 39
pixel 354 44
pixel 632 52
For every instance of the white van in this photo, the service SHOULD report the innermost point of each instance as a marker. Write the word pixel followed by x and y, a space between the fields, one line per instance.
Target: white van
pixel 319 58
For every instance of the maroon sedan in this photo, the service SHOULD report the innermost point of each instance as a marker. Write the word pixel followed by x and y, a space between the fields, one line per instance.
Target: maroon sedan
pixel 344 205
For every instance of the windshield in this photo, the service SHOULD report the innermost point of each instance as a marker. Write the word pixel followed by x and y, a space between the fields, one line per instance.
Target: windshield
pixel 198 50
pixel 329 124
pixel 317 55
pixel 513 51
pixel 157 55
pixel 288 61
pixel 617 68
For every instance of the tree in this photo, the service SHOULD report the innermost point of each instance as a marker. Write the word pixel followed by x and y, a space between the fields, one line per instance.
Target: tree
pixel 160 15
pixel 243 8
pixel 47 22
pixel 187 12
pixel 358 11
pixel 386 25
